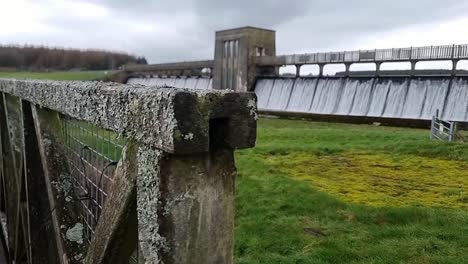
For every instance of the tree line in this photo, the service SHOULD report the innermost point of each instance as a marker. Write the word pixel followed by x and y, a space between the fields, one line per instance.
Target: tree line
pixel 45 58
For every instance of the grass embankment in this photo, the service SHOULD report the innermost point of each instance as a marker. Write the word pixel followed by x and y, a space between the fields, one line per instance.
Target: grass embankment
pixel 337 193
pixel 66 75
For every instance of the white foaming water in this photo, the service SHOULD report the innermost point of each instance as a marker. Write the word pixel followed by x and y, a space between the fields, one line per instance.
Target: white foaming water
pixel 326 96
pixel 347 97
pixel 435 97
pixel 170 82
pixel 378 98
pixel 263 90
pixel 280 94
pixel 395 99
pixel 415 98
pixel 180 83
pixel 362 98
pixel 190 82
pixel 150 81
pixel 153 82
pixel 457 101
pixel 210 84
pixel 203 84
pixel 131 81
pixel 355 97
pixel 162 81
pixel 302 95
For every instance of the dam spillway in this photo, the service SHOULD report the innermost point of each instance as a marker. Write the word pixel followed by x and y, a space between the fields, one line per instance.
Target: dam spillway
pixel 384 97
pixel 379 97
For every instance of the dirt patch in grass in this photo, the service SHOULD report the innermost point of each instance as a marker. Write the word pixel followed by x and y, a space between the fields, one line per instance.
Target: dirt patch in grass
pixel 314 231
pixel 381 179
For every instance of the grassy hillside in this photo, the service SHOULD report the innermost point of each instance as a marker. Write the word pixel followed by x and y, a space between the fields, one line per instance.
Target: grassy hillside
pixel 337 193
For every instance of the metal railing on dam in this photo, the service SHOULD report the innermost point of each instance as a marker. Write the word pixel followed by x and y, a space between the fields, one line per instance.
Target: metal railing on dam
pixel 446 52
pixel 95 172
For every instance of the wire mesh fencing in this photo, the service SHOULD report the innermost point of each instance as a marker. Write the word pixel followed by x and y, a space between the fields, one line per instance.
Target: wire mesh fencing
pixel 92 154
pixel 134 259
pixel 443 130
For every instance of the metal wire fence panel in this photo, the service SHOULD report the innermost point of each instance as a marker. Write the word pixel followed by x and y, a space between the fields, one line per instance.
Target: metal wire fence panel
pixel 445 130
pixel 134 258
pixel 92 154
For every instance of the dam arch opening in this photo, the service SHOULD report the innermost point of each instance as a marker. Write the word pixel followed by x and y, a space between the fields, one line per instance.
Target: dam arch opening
pixel 462 66
pixel 288 70
pixel 434 65
pixel 309 70
pixel 389 66
pixel 333 69
pixel 363 67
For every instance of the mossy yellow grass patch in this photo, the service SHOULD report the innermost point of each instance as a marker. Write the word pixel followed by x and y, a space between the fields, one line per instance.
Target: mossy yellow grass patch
pixel 380 179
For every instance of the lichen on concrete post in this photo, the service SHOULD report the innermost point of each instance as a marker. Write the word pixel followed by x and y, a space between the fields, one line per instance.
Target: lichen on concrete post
pixel 186 200
pixel 185 171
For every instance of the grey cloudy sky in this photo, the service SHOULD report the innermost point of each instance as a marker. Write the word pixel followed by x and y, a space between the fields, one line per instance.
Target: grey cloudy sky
pixel 174 30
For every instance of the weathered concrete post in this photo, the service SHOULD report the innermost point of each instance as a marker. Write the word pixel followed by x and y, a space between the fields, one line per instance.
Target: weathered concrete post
pixel 186 192
pixel 173 188
pixel 236 51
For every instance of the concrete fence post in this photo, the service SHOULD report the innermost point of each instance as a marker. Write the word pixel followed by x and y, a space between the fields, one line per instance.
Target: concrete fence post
pixel 172 194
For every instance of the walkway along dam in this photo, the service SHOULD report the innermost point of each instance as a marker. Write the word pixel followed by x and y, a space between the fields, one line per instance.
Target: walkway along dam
pixel 249 61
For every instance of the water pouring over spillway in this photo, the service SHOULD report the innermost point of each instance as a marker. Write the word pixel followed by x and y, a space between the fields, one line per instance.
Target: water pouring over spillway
pixel 386 97
pixel 191 82
pixel 407 98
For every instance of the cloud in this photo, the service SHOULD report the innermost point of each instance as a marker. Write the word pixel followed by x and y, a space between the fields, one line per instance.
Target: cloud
pixel 184 30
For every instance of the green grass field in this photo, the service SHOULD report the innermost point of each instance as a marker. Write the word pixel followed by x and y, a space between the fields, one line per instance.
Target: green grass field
pixel 67 75
pixel 338 193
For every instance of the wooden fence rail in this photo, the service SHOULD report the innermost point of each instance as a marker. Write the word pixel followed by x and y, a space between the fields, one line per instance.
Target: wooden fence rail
pixel 94 172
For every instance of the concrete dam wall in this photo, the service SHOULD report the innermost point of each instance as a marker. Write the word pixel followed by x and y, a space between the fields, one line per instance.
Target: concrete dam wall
pixel 385 97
